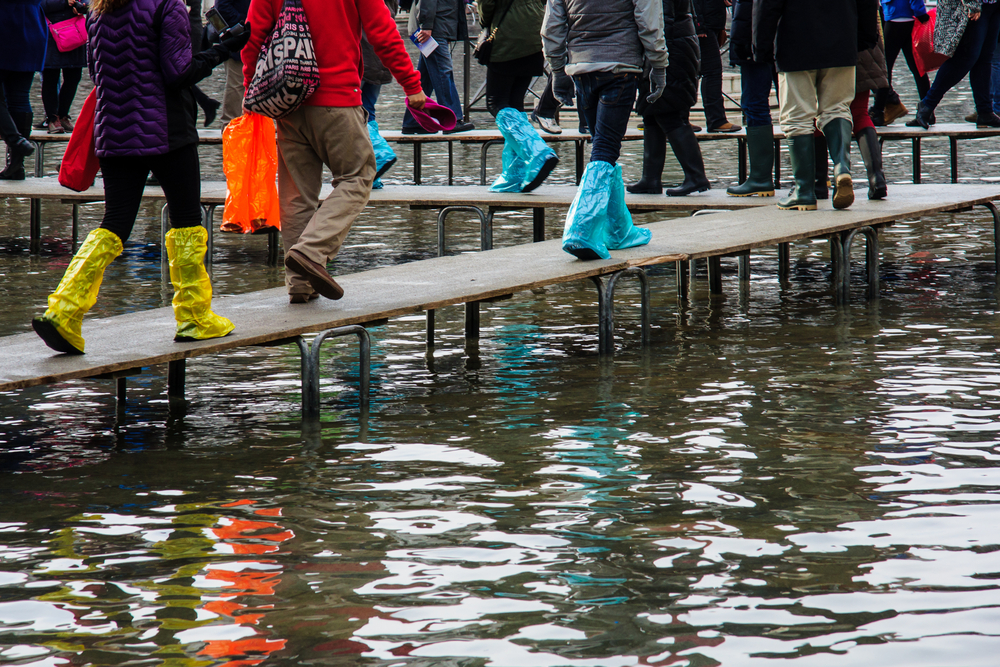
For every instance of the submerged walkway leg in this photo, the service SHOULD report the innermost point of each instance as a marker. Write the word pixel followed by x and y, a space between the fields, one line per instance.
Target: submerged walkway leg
pixel 175 378
pixel 472 319
pixel 840 250
pixel 784 262
pixel 310 366
pixel 485 226
pixel 606 308
pixel 991 207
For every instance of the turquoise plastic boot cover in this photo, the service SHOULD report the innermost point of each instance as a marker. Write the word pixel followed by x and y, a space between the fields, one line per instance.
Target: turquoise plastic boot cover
pixel 513 170
pixel 598 219
pixel 384 155
pixel 527 143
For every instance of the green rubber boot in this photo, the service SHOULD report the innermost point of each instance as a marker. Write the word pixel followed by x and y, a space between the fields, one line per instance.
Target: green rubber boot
pixel 838 139
pixel 802 196
pixel 760 148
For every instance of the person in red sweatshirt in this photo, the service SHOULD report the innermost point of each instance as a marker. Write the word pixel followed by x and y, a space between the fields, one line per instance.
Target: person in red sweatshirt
pixel 331 129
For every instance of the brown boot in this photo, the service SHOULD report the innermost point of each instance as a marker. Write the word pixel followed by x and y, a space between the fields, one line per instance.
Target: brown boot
pixel 894 110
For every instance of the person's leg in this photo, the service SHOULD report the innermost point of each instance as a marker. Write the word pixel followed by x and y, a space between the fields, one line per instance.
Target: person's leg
pixel 15 121
pixel 798 108
pixel 505 99
pixel 179 174
pixel 67 92
pixel 615 99
pixel 50 93
pixel 8 129
pixel 756 81
pixel 426 85
pixel 958 66
pixel 499 89
pixel 547 103
pixel 442 78
pixel 995 82
pixel 586 100
pixel 232 98
pixel 711 81
pixel 686 149
pixel 868 144
pixel 980 74
pixel 124 182
pixel 905 39
pixel 369 97
pixel 654 154
pixel 835 89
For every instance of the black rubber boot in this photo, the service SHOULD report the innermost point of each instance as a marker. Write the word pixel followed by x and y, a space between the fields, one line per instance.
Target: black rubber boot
pixel 822 167
pixel 760 148
pixel 802 196
pixel 18 147
pixel 924 117
pixel 871 153
pixel 688 154
pixel 654 154
pixel 838 138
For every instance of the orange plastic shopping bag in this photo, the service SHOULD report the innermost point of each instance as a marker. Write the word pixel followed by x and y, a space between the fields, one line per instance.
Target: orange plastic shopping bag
pixel 250 162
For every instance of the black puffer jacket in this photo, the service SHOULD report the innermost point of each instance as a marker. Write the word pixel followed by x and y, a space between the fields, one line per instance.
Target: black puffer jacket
pixel 709 14
pixel 685 63
pixel 741 33
pixel 802 35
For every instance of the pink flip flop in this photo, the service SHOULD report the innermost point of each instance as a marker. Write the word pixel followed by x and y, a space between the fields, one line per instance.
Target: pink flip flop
pixel 433 117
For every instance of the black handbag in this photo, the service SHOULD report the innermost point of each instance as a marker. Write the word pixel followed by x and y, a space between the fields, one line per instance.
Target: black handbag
pixel 484 43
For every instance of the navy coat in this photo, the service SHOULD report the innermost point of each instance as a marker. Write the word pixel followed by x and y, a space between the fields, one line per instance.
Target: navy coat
pixel 56 11
pixel 24 35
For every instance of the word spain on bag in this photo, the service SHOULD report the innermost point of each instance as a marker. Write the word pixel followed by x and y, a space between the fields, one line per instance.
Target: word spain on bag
pixel 286 73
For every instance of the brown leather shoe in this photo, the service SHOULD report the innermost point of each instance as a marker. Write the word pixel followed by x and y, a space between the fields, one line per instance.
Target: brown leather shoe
pixel 317 275
pixel 299 297
pixel 67 123
pixel 726 127
pixel 894 111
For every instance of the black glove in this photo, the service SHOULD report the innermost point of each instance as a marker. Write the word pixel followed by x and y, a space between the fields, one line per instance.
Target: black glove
pixel 563 88
pixel 924 18
pixel 235 43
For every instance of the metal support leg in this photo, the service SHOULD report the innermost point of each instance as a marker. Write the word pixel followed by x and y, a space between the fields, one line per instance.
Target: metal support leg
pixel 485 226
pixel 472 319
pixel 417 156
pixel 310 366
pixel 122 385
pixel 606 308
pixel 954 158
pixel 430 328
pixel 916 159
pixel 484 156
pixel 715 275
pixel 680 268
pixel 741 144
pixel 784 262
pixel 991 207
pixel 164 228
pixel 538 225
pixel 273 242
pixel 208 220
pixel 76 224
pixel 451 162
pixel 743 262
pixel 175 378
pixel 777 164
pixel 35 207
pixel 840 246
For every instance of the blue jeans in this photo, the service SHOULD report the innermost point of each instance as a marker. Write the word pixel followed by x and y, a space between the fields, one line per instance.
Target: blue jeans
pixel 756 80
pixel 974 56
pixel 606 100
pixel 438 79
pixel 995 82
pixel 369 96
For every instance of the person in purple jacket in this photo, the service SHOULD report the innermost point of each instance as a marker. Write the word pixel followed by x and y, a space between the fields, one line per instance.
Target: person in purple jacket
pixel 139 55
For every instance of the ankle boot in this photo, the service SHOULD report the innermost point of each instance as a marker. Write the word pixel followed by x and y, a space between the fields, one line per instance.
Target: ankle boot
pixel 586 231
pixel 539 160
pixel 871 153
pixel 385 157
pixel 60 326
pixel 838 139
pixel 802 196
pixel 688 154
pixel 192 301
pixel 18 147
pixel 654 154
pixel 622 233
pixel 822 189
pixel 760 148
pixel 923 118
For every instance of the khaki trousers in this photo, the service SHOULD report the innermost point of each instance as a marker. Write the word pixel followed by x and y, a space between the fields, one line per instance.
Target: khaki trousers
pixel 309 138
pixel 232 97
pixel 819 95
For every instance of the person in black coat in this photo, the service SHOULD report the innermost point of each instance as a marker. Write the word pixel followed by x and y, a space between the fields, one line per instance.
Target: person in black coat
pixel 235 13
pixel 710 25
pixel 815 46
pixel 57 99
pixel 666 119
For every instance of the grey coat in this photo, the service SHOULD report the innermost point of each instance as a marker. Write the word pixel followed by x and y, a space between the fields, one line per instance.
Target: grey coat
pixel 952 17
pixel 603 35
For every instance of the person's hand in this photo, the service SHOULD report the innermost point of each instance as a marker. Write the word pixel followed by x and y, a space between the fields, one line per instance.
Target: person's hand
pixel 657 82
pixel 723 36
pixel 924 18
pixel 563 88
pixel 417 100
pixel 235 43
pixel 974 16
pixel 423 36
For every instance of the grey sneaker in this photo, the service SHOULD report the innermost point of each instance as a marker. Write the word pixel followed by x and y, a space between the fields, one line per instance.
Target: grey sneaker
pixel 548 125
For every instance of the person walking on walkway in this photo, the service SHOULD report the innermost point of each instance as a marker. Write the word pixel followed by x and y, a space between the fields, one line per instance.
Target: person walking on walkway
pixel 139 55
pixel 871 74
pixel 23 40
pixel 967 31
pixel 897 30
pixel 515 60
pixel 667 119
pixel 444 20
pixel 374 76
pixel 710 22
pixel 58 99
pixel 816 57
pixel 329 129
pixel 603 45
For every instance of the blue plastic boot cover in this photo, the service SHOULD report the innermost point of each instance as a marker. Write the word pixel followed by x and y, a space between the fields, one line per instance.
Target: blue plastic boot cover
pixel 586 231
pixel 377 184
pixel 530 147
pixel 513 170
pixel 383 152
pixel 621 232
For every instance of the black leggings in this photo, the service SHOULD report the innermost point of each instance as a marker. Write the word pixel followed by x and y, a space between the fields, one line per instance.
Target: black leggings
pixel 899 37
pixel 58 99
pixel 504 89
pixel 125 179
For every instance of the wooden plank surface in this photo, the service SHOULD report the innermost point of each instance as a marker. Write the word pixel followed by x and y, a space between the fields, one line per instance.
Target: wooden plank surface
pixel 434 283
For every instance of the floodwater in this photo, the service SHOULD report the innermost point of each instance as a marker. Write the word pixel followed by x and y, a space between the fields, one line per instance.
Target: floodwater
pixel 773 479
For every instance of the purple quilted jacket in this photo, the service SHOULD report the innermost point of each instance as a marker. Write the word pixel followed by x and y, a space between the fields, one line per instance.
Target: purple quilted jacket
pixel 141 63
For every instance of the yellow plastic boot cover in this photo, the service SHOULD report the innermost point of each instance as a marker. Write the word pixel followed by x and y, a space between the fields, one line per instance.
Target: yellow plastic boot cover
pixel 186 248
pixel 77 291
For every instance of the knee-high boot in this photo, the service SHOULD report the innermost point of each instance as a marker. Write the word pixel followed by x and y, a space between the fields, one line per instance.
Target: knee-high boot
pixel 688 153
pixel 622 233
pixel 586 231
pixel 539 160
pixel 871 153
pixel 60 326
pixel 822 166
pixel 654 154
pixel 19 147
pixel 760 148
pixel 192 301
pixel 802 196
pixel 838 139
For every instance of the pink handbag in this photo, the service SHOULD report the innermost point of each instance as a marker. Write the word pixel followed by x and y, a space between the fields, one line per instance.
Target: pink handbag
pixel 69 34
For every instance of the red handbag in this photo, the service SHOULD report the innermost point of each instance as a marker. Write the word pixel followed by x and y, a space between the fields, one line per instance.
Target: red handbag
pixel 80 164
pixel 923 45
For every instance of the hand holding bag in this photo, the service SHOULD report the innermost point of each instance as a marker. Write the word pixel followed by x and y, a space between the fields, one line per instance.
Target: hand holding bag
pixel 924 56
pixel 286 73
pixel 80 164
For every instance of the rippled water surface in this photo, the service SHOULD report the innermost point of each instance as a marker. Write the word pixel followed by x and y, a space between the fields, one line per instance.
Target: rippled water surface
pixel 772 479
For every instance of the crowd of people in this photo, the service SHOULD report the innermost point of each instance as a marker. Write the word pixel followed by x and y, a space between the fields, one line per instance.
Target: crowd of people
pixel 613 57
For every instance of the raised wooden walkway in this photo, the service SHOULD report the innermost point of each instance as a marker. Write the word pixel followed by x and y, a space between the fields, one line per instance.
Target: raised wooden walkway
pixel 266 317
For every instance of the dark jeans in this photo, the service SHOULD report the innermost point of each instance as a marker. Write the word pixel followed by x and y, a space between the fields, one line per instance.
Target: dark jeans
pixel 974 56
pixel 547 102
pixel 438 79
pixel 756 80
pixel 125 179
pixel 606 100
pixel 15 88
pixel 711 80
pixel 505 89
pixel 58 99
pixel 899 37
pixel 369 96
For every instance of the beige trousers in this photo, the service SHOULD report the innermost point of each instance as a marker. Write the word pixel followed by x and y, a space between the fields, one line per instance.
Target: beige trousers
pixel 232 97
pixel 819 95
pixel 309 138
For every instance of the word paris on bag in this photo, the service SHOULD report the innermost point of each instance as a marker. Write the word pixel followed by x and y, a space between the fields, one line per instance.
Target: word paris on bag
pixel 286 73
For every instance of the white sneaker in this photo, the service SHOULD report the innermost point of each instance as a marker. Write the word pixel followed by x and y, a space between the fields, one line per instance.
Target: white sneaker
pixel 548 125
